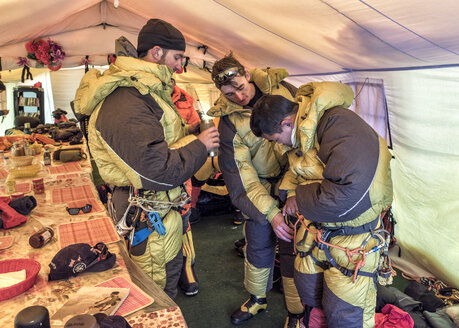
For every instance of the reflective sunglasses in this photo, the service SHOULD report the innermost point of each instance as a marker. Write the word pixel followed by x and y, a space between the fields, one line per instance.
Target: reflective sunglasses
pixel 75 210
pixel 229 73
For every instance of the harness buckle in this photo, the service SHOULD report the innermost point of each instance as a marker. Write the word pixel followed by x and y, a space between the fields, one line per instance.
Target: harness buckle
pixel 302 254
pixel 325 265
pixel 346 272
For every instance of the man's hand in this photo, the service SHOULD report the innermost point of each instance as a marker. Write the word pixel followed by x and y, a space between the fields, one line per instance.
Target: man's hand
pixel 282 230
pixel 193 128
pixel 210 138
pixel 290 207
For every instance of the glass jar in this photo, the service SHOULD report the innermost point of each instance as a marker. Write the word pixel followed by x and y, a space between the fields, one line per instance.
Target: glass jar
pixel 41 237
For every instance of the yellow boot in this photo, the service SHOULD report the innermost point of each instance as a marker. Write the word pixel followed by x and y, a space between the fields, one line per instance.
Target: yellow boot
pixel 251 307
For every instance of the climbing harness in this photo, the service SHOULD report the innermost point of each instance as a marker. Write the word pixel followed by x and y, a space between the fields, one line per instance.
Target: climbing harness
pixel 152 207
pixel 322 236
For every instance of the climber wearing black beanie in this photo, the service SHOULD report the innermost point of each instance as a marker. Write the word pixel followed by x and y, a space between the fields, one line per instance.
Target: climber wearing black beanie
pixel 159 33
pixel 138 139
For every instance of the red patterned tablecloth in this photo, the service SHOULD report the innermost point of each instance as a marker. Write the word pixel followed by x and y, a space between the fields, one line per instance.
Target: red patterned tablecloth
pixel 68 176
pixel 3 173
pixel 64 195
pixel 136 299
pixel 167 318
pixel 90 232
pixel 24 187
pixel 65 168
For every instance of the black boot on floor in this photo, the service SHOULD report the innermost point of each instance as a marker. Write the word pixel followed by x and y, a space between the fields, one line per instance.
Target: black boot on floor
pixel 239 243
pixel 294 321
pixel 250 308
pixel 195 215
pixel 190 289
pixel 188 281
pixel 239 246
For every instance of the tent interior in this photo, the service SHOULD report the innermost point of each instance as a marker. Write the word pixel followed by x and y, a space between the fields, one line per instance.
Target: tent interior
pixel 400 57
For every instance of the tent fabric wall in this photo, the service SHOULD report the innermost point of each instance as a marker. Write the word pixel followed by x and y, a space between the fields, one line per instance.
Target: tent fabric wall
pixel 424 124
pixel 7 121
pixel 370 104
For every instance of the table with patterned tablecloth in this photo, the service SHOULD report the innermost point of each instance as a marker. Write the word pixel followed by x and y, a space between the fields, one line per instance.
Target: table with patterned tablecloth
pixel 69 186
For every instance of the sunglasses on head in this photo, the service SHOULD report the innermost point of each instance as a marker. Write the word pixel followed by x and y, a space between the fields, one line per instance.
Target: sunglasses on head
pixel 75 210
pixel 229 73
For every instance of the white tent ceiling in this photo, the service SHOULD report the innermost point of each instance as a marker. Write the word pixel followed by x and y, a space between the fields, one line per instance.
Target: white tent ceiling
pixel 306 37
pixel 340 40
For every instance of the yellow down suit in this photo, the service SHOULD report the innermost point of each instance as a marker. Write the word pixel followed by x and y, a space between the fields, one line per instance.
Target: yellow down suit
pixel 251 168
pixel 138 138
pixel 340 173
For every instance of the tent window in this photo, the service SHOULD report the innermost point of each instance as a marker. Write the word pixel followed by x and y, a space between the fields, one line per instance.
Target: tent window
pixel 370 104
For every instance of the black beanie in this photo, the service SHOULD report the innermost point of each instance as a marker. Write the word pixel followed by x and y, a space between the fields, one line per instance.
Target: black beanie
pixel 160 33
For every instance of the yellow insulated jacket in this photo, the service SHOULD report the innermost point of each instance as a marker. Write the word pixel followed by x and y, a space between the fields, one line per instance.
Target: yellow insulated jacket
pixel 340 164
pixel 246 161
pixel 138 138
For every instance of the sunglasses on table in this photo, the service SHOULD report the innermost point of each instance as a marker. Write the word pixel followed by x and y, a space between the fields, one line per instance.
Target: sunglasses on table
pixel 75 210
pixel 222 77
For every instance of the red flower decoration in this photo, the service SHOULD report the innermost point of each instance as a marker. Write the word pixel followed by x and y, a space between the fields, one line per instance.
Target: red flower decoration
pixel 46 53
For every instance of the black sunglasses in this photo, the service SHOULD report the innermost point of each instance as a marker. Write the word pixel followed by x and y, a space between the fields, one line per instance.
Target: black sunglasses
pixel 102 253
pixel 229 73
pixel 75 210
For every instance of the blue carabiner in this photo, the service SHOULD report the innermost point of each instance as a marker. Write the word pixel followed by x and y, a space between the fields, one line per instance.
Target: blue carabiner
pixel 156 223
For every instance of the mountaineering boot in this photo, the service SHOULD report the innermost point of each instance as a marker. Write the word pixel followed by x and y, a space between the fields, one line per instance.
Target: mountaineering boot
pixel 239 246
pixel 238 218
pixel 189 289
pixel 294 321
pixel 251 307
pixel 188 281
pixel 195 215
pixel 239 243
pixel 189 284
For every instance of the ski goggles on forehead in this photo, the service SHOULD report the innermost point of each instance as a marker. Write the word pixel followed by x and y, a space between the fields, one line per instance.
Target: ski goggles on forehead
pixel 229 73
pixel 75 210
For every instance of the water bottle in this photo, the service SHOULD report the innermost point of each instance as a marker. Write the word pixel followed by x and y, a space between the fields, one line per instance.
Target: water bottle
pixel 207 123
pixel 46 156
